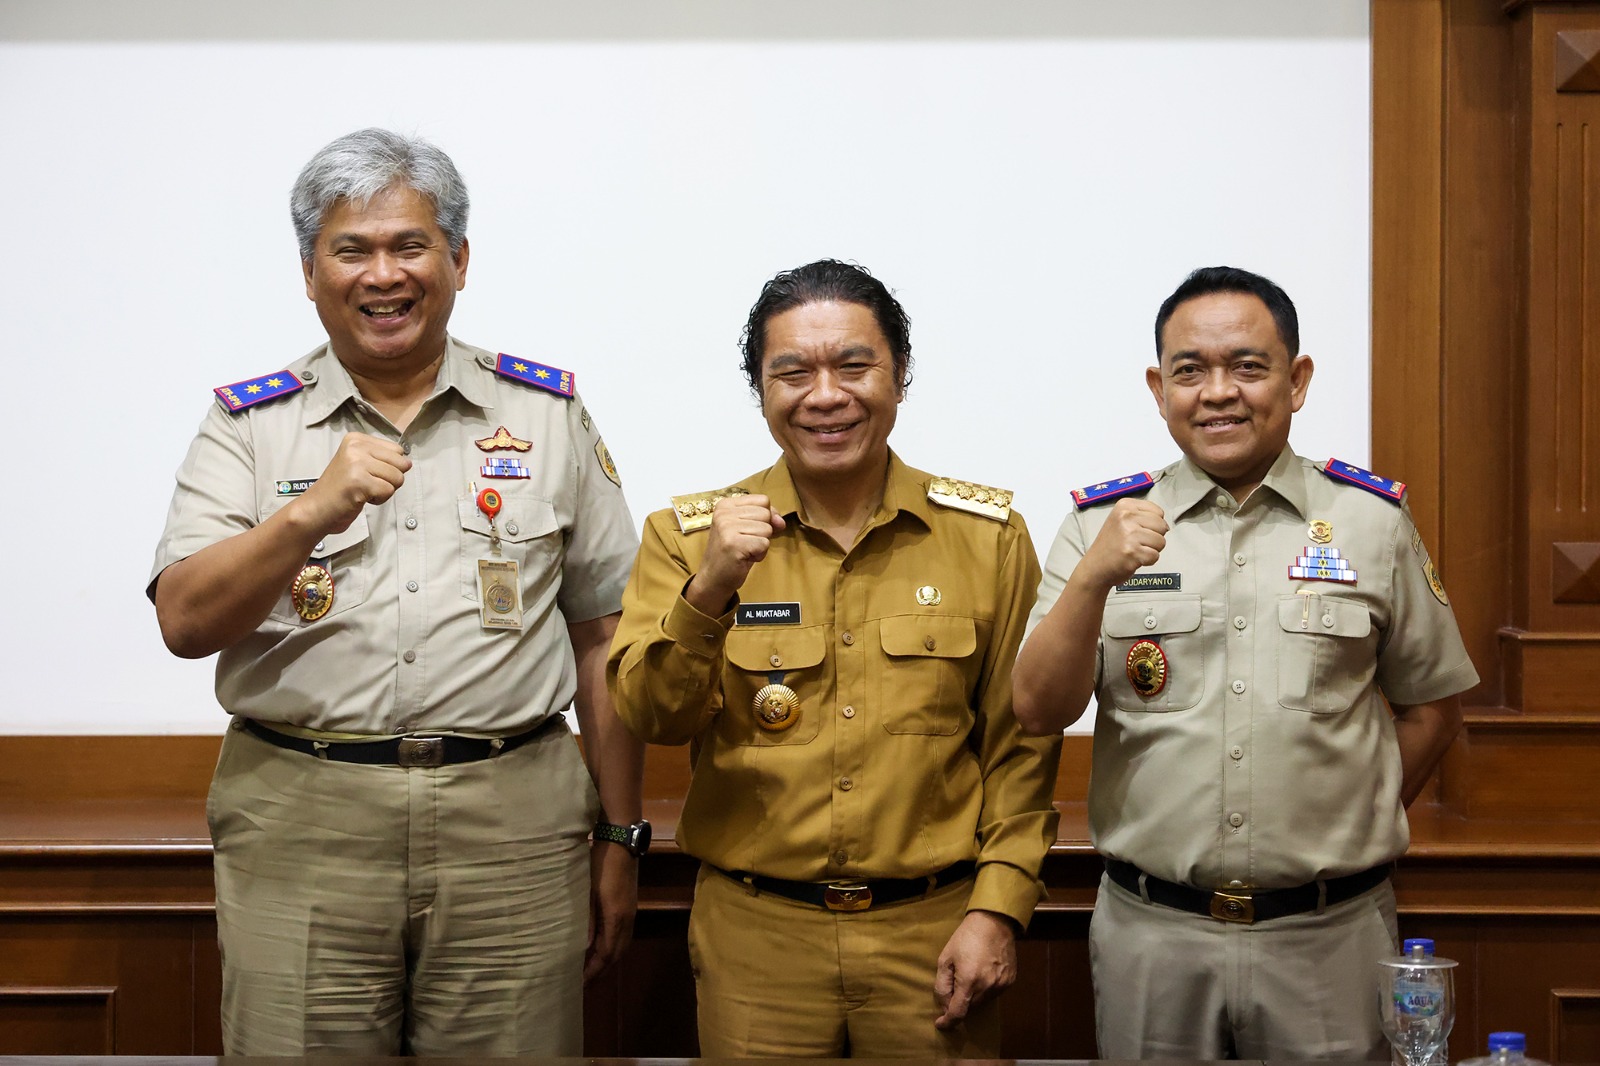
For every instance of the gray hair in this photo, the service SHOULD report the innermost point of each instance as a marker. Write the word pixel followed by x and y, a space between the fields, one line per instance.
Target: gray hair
pixel 360 165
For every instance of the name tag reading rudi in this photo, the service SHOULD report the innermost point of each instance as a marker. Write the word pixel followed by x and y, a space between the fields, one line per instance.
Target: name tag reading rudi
pixel 1152 583
pixel 767 614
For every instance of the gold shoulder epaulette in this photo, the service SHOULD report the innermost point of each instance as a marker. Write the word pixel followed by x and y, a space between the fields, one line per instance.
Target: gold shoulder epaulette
pixel 967 496
pixel 694 510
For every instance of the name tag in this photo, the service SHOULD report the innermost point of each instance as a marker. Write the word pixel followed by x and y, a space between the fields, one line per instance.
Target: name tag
pixel 1152 583
pixel 767 614
pixel 295 486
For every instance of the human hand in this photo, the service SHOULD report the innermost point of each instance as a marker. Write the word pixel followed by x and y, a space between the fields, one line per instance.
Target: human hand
pixel 1133 536
pixel 365 469
pixel 741 531
pixel 613 902
pixel 979 960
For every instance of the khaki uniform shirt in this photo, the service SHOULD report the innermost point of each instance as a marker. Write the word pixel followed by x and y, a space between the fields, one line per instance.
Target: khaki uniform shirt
pixel 1269 758
pixel 402 647
pixel 906 756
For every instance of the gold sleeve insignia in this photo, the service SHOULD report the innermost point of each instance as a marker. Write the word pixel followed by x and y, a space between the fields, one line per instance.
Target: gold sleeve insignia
pixel 967 496
pixel 694 510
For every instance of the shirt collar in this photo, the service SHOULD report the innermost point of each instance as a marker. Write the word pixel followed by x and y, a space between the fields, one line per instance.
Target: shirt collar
pixel 1188 484
pixel 334 386
pixel 905 490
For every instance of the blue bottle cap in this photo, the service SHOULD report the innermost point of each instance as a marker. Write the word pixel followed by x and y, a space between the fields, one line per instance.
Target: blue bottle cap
pixel 1424 942
pixel 1507 1041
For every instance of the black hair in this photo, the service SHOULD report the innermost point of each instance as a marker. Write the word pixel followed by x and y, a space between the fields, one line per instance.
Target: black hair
pixel 1208 280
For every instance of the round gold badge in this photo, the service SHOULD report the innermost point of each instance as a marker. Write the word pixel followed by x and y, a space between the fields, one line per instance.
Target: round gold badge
pixel 500 598
pixel 1435 582
pixel 312 592
pixel 1321 531
pixel 777 708
pixel 1147 668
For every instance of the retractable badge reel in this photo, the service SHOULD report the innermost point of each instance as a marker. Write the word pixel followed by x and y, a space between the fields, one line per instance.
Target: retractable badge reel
pixel 499 582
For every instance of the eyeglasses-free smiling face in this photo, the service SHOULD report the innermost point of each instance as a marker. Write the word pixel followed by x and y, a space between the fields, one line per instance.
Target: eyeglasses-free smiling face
pixel 385 281
pixel 1227 387
pixel 829 391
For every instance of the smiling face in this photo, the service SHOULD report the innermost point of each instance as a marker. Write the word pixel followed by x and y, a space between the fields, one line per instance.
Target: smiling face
pixel 1228 387
pixel 830 392
pixel 384 282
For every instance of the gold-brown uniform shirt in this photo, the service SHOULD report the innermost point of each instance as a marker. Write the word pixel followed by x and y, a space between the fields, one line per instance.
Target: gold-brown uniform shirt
pixel 906 756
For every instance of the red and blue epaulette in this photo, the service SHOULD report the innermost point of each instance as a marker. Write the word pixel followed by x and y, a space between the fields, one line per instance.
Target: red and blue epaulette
pixel 550 378
pixel 1388 488
pixel 242 394
pixel 1105 491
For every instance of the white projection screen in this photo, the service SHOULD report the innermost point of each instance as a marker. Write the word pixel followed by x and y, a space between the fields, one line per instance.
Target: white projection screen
pixel 1030 177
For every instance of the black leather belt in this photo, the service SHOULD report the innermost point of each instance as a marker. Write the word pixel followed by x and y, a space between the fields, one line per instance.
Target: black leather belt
pixel 414 750
pixel 852 895
pixel 1247 905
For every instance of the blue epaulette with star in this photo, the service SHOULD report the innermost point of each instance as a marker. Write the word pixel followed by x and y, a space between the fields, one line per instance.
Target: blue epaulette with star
pixel 1388 488
pixel 550 378
pixel 242 394
pixel 1106 491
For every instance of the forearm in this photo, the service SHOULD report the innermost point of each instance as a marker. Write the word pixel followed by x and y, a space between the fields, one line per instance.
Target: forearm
pixel 1425 732
pixel 615 757
pixel 1055 672
pixel 219 595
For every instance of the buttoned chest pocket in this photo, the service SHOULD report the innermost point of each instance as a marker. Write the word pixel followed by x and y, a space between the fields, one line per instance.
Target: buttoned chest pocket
pixel 759 660
pixel 922 685
pixel 1172 625
pixel 344 556
pixel 529 535
pixel 1326 652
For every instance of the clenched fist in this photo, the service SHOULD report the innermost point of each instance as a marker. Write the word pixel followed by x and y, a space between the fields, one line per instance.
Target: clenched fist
pixel 365 469
pixel 741 532
pixel 1133 536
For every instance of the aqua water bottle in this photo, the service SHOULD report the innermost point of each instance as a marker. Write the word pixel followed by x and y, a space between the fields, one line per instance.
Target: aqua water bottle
pixel 1505 1049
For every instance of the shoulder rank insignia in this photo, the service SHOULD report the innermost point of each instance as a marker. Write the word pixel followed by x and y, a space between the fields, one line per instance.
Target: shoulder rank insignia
pixel 1105 491
pixel 242 394
pixel 549 378
pixel 1340 470
pixel 967 496
pixel 694 510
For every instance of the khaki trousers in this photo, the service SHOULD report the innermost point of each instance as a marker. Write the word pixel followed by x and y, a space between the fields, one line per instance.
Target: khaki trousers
pixel 776 978
pixel 378 910
pixel 1173 985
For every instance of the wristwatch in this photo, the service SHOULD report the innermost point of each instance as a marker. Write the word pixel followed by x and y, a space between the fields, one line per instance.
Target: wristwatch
pixel 635 837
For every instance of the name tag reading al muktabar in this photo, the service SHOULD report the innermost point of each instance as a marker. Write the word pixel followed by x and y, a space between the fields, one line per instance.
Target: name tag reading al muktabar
pixel 767 614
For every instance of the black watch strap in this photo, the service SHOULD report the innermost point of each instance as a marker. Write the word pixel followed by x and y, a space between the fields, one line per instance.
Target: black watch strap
pixel 635 837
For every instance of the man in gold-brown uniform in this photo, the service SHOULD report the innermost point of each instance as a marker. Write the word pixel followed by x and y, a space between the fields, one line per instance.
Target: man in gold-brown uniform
pixel 834 637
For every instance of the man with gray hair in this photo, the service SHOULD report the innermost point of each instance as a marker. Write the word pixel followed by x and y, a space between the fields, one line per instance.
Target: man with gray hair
pixel 410 554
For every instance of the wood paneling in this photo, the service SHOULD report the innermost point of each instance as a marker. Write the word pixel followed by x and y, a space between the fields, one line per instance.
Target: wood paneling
pixel 33 1021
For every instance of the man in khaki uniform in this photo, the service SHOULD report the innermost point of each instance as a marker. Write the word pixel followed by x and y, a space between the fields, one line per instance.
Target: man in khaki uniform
pixel 1241 617
pixel 410 554
pixel 833 636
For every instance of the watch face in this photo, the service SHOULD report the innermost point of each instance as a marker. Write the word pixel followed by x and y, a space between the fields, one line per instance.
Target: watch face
pixel 639 837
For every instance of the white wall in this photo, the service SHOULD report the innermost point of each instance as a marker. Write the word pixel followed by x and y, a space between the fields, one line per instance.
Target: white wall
pixel 1032 178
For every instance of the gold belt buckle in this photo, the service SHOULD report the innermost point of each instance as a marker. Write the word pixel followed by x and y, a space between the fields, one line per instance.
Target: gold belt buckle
pixel 847 896
pixel 1231 907
pixel 421 751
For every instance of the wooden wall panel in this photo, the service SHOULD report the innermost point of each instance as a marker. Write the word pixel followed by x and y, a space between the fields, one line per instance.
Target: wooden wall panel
pixel 58 1021
pixel 1575 1024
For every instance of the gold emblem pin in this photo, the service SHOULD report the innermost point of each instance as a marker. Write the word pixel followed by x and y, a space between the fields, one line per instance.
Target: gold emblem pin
pixel 312 592
pixel 1147 668
pixel 928 596
pixel 1435 582
pixel 777 708
pixel 502 441
pixel 609 468
pixel 1321 531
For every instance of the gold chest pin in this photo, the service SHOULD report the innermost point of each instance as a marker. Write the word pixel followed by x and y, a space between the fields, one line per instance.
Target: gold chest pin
pixel 928 596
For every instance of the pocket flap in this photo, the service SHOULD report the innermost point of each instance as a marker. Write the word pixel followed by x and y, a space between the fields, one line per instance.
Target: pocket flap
pixel 929 635
pixel 763 649
pixel 1132 618
pixel 523 516
pixel 1328 615
pixel 332 543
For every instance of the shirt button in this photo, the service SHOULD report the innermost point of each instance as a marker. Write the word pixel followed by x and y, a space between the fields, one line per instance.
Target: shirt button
pixel 848 638
pixel 1239 622
pixel 708 637
pixel 1236 819
pixel 1238 558
pixel 320 545
pixel 411 523
pixel 849 712
pixel 1222 501
pixel 840 858
pixel 405 446
pixel 410 656
pixel 848 566
pixel 1327 620
pixel 512 529
pixel 776 660
pixel 846 784
pixel 1236 752
pixel 1238 686
pixel 930 643
pixel 412 586
pixel 1149 621
pixel 1236 883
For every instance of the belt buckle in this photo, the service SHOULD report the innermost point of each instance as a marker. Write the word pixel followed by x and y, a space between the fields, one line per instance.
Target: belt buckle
pixel 421 751
pixel 847 896
pixel 1233 907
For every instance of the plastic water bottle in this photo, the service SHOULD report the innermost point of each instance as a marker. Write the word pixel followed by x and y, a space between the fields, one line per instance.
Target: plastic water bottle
pixel 1505 1049
pixel 1420 1006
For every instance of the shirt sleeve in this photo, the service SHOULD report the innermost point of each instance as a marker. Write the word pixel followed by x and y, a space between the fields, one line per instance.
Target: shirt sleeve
pixel 601 543
pixel 216 493
pixel 1017 823
pixel 1421 657
pixel 1066 552
pixel 666 662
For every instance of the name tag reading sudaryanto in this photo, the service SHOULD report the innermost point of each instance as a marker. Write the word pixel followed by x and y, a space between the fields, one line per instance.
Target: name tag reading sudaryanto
pixel 499 594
